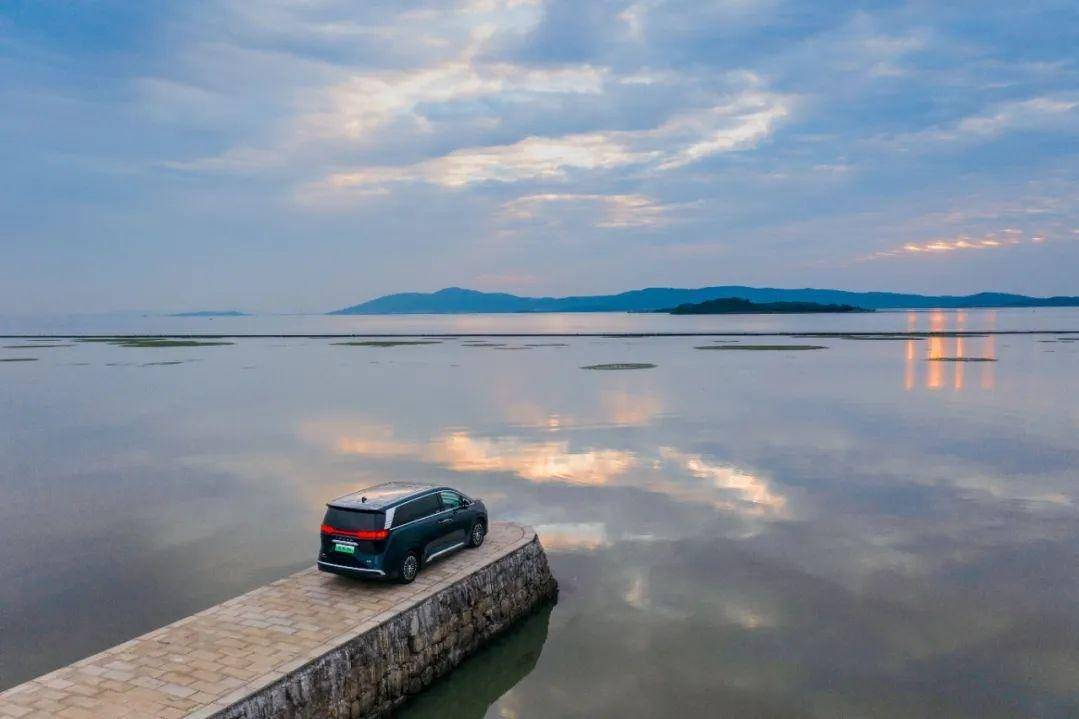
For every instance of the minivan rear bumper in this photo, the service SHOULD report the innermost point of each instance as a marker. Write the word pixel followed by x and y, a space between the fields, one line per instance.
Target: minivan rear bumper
pixel 348 571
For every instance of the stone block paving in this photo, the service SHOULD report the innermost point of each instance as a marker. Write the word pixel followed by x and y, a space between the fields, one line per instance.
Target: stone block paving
pixel 210 660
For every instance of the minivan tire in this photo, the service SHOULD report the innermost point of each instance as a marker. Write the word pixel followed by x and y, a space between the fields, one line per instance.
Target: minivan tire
pixel 475 537
pixel 410 567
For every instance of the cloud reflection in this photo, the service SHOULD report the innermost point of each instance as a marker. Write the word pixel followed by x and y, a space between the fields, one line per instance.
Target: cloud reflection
pixel 669 471
pixel 616 408
pixel 736 488
pixel 560 537
pixel 534 461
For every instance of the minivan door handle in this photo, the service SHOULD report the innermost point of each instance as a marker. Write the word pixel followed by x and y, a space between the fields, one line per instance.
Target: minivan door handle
pixel 447 520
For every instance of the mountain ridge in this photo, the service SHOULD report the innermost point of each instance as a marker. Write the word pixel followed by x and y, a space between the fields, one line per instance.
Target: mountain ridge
pixel 459 300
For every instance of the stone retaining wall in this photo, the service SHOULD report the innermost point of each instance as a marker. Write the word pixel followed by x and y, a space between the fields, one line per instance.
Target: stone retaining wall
pixel 376 671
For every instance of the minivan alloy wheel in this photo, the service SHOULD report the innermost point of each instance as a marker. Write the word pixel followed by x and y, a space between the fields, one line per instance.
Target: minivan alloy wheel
pixel 478 533
pixel 410 567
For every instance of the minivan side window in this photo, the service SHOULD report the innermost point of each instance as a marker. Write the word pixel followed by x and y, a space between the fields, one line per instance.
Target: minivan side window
pixel 416 509
pixel 450 500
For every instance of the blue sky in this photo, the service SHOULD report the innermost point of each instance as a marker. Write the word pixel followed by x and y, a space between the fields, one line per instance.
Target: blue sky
pixel 302 156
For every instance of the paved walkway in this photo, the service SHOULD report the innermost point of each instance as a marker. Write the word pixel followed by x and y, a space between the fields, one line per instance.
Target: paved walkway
pixel 208 661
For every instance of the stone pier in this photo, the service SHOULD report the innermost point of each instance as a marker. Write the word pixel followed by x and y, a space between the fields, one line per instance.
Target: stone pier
pixel 309 645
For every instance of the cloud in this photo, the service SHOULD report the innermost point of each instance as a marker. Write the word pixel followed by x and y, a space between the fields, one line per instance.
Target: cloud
pixel 739 122
pixel 614 211
pixel 1036 114
pixel 533 158
pixel 725 128
pixel 1022 114
pixel 365 102
pixel 1005 238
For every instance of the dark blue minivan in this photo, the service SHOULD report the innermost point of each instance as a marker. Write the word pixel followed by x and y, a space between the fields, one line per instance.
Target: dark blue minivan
pixel 394 529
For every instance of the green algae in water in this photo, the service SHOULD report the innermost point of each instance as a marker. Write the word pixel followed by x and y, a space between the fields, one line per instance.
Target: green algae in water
pixel 387 343
pixel 761 348
pixel 620 366
pixel 150 342
pixel 173 343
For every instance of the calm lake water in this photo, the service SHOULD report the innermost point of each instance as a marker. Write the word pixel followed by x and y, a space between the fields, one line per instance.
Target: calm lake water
pixel 865 530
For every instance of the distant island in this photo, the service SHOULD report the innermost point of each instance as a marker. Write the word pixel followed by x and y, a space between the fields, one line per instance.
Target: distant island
pixel 211 313
pixel 457 300
pixel 738 306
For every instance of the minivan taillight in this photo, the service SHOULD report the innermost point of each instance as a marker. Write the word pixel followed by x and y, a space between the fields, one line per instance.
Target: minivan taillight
pixel 374 534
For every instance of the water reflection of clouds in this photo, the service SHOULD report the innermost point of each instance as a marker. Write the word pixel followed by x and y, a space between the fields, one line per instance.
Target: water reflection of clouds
pixel 615 407
pixel 534 461
pixel 459 451
pixel 678 475
pixel 566 536
pixel 737 488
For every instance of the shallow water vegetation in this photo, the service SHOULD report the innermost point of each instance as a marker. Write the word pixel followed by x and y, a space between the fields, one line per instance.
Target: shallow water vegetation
pixel 18 359
pixel 387 343
pixel 162 364
pixel 620 366
pixel 761 348
pixel 151 342
pixel 33 347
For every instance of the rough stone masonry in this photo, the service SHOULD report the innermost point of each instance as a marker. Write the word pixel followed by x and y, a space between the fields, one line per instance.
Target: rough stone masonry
pixel 309 645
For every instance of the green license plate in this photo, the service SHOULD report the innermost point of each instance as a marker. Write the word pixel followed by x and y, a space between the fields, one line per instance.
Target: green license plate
pixel 344 548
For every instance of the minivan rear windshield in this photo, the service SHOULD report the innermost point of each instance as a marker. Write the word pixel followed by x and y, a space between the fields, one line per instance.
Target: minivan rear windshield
pixel 354 521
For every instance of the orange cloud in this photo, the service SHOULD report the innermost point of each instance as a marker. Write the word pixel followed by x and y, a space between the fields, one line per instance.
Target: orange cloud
pixel 992 240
